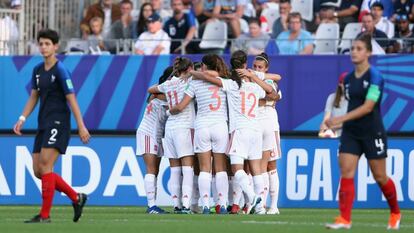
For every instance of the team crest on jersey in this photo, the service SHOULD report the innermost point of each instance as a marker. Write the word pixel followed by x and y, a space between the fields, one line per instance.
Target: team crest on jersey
pixel 53 78
pixel 366 84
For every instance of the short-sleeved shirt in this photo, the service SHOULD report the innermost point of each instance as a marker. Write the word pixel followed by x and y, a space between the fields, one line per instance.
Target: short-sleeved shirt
pixel 147 42
pixel 153 121
pixel 211 103
pixel 287 46
pixel 208 5
pixel 356 90
pixel 53 85
pixel 174 91
pixel 246 41
pixel 229 6
pixel 243 104
pixel 178 29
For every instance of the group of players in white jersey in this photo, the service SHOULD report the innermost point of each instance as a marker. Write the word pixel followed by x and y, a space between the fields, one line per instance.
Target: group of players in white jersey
pixel 219 129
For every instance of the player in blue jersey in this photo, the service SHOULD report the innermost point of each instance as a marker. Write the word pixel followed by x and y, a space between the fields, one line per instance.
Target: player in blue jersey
pixel 52 87
pixel 363 133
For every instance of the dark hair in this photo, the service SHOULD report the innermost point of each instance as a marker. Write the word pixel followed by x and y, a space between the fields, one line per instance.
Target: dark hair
pixel 48 34
pixel 238 60
pixel 181 64
pixel 338 94
pixel 215 62
pixel 284 1
pixel 254 20
pixel 197 65
pixel 263 57
pixel 166 74
pixel 126 2
pixel 142 22
pixel 294 15
pixel 366 39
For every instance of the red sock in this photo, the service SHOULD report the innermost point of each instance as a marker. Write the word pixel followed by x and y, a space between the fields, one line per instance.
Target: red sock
pixel 48 191
pixel 391 195
pixel 63 187
pixel 346 197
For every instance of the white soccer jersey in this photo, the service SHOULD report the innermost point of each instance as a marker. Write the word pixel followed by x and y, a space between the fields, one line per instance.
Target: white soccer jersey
pixel 174 91
pixel 243 104
pixel 153 121
pixel 211 103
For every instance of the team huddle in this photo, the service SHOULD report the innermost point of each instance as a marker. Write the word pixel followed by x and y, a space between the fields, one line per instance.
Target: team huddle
pixel 227 118
pixel 215 125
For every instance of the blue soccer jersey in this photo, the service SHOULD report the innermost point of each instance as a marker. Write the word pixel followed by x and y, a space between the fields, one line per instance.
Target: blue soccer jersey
pixel 357 91
pixel 53 85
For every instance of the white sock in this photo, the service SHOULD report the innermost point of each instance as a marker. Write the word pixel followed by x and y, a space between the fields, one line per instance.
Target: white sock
pixel 266 187
pixel 196 192
pixel 237 192
pixel 150 188
pixel 243 180
pixel 204 185
pixel 174 185
pixel 273 188
pixel 187 188
pixel 222 185
pixel 230 193
pixel 258 185
pixel 214 190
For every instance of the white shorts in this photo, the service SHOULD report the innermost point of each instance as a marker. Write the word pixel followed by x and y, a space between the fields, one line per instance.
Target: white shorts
pixel 178 143
pixel 148 145
pixel 245 144
pixel 214 138
pixel 276 151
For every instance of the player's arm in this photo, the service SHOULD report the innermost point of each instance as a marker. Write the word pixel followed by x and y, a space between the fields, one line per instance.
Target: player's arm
pixel 253 77
pixel 154 90
pixel 371 99
pixel 274 77
pixel 83 131
pixel 207 76
pixel 181 106
pixel 28 109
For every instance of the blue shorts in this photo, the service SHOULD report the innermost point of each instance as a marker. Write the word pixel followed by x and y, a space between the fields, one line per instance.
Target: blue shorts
pixel 54 136
pixel 374 147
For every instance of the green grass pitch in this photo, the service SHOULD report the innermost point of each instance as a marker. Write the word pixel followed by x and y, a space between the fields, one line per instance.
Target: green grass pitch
pixel 134 219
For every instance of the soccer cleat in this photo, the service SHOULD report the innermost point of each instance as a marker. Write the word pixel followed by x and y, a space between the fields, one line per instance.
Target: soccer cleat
pixel 186 211
pixel 394 222
pixel 340 223
pixel 259 209
pixel 177 210
pixel 223 210
pixel 256 201
pixel 38 219
pixel 217 209
pixel 235 209
pixel 206 210
pixel 78 207
pixel 195 209
pixel 273 211
pixel 155 210
pixel 245 208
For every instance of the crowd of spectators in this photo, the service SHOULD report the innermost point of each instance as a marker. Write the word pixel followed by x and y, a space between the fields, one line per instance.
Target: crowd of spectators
pixel 180 24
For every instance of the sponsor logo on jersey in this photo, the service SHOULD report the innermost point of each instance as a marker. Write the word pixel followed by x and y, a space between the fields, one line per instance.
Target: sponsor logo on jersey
pixel 52 79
